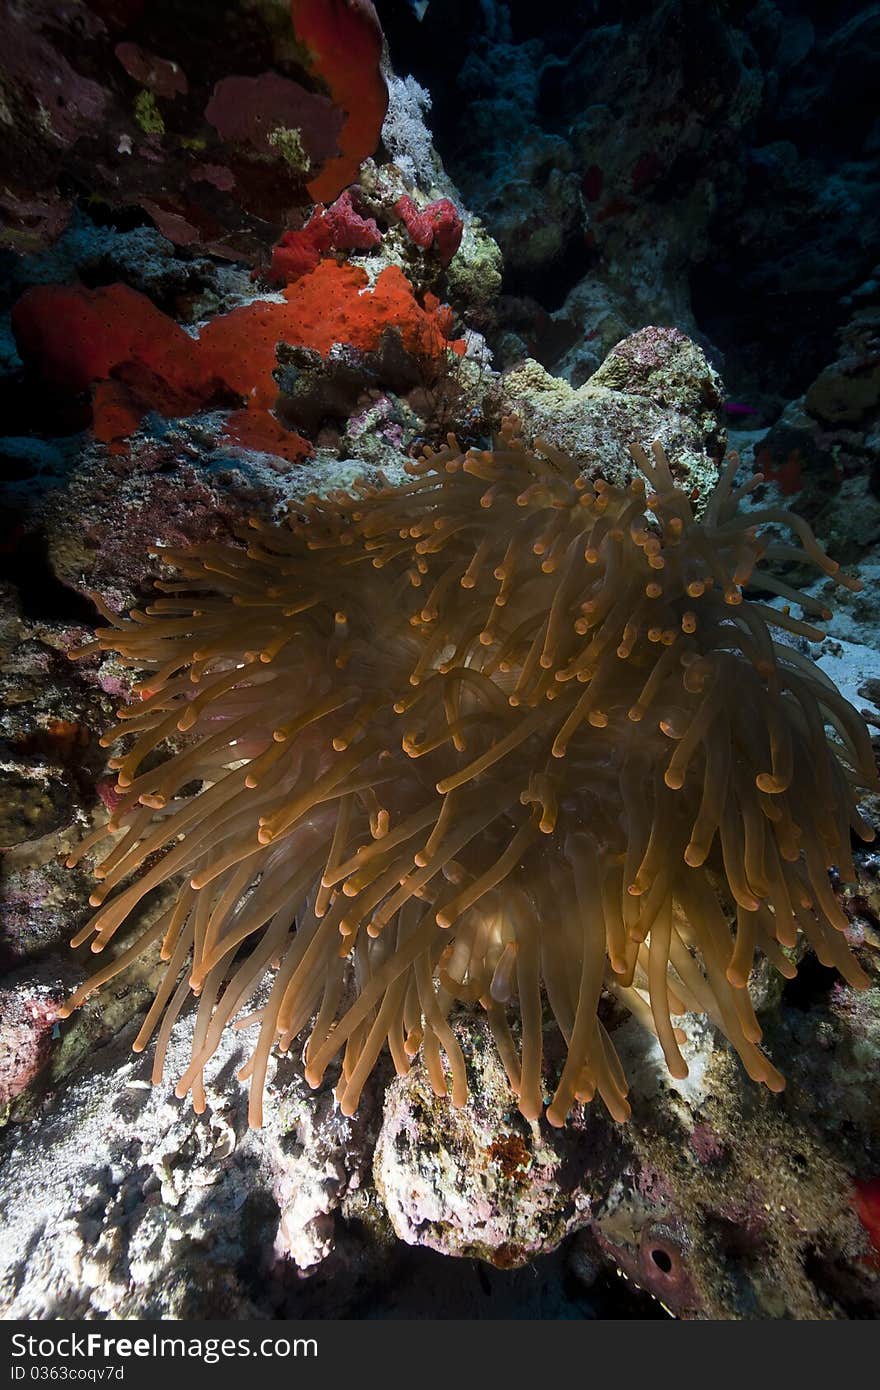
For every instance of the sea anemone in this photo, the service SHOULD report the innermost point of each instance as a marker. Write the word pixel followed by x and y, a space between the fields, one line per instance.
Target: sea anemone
pixel 499 735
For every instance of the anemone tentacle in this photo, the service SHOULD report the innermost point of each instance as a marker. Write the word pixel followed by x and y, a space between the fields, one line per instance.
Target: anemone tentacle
pixel 498 736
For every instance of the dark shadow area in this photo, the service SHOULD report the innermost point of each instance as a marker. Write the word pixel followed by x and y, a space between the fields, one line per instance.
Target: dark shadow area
pixel 811 986
pixel 24 561
pixel 421 1283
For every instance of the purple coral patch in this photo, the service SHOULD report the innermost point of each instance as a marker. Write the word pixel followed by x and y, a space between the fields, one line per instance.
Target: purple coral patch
pixel 165 78
pixel 249 109
pixel 26 1021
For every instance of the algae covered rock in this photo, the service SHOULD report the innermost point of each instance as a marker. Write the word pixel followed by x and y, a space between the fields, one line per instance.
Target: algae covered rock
pixel 481 1181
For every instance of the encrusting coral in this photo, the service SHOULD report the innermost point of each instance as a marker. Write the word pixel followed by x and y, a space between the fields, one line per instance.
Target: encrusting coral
pixel 497 734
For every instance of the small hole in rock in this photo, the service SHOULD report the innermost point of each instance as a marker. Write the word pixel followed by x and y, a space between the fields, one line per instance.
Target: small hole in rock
pixel 662 1260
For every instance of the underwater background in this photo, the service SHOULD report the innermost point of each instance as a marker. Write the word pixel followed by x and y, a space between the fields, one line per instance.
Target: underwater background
pixel 255 250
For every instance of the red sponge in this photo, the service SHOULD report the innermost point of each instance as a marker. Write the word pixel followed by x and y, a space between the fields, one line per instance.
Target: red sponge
pixel 344 39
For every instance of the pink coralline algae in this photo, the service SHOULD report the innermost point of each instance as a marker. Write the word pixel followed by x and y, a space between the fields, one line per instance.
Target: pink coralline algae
pixel 437 227
pixel 707 1147
pixel 26 1022
pixel 162 76
pixel 122 508
pixel 39 72
pixel 106 786
pixel 216 174
pixel 339 227
pixel 866 1201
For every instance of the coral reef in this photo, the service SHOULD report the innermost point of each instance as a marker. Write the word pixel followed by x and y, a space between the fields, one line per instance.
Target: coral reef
pixel 476 1181
pixel 655 386
pixel 665 164
pixel 140 360
pixel 106 103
